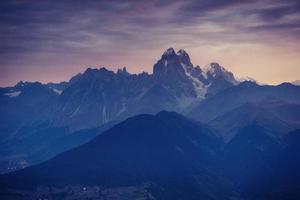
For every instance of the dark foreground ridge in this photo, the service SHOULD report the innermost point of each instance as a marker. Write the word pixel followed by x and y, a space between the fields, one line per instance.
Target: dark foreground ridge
pixel 166 156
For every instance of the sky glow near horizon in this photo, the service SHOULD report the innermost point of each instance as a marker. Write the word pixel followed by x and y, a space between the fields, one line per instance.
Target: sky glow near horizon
pixel 50 41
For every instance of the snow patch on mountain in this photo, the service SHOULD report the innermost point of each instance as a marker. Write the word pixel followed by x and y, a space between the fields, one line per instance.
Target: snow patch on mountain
pixel 75 111
pixel 104 115
pixel 57 91
pixel 200 88
pixel 214 70
pixel 13 94
pixel 123 109
pixel 247 78
pixel 181 52
pixel 211 69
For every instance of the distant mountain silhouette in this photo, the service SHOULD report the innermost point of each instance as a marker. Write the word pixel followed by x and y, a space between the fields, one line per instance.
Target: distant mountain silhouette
pixel 270 117
pixel 245 92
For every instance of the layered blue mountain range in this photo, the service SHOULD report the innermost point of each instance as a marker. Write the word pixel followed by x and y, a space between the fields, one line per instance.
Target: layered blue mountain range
pixel 237 139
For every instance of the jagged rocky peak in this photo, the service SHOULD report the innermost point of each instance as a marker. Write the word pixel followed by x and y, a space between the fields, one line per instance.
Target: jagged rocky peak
pixel 26 83
pixel 181 57
pixel 123 71
pixel 182 52
pixel 102 70
pixel 94 71
pixel 90 70
pixel 214 70
pixel 169 57
pixel 184 57
pixel 174 64
pixel 92 74
pixel 213 67
pixel 22 84
pixel 169 63
pixel 247 78
pixel 198 68
pixel 169 52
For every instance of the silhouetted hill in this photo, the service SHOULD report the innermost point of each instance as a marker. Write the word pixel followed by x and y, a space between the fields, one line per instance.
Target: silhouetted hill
pixel 175 154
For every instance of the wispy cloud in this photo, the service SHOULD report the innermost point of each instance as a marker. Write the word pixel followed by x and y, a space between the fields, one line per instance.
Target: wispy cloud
pixel 69 35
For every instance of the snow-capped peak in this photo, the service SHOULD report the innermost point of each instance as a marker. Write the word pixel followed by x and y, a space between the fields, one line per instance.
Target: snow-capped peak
pixel 181 52
pixel 178 66
pixel 22 84
pixel 184 57
pixel 169 51
pixel 247 78
pixel 214 70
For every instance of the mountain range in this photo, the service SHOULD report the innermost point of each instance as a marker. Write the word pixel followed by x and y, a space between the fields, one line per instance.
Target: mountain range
pixel 108 96
pixel 99 134
pixel 100 96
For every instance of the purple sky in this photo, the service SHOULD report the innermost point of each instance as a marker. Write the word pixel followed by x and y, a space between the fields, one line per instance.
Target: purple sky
pixel 53 40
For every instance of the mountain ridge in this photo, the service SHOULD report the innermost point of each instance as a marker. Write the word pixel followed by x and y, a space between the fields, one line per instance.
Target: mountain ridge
pixel 114 95
pixel 97 97
pixel 171 157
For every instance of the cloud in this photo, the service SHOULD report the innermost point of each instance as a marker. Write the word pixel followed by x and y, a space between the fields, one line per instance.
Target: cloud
pixel 113 31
